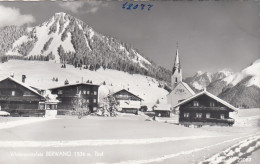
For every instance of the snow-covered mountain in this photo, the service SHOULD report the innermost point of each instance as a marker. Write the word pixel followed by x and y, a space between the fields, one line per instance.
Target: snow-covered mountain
pixel 202 79
pixel 241 88
pixel 252 71
pixel 58 31
pixel 66 39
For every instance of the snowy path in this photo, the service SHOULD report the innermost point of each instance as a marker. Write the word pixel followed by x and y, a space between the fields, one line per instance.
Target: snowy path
pixel 75 143
pixel 236 152
pixel 169 156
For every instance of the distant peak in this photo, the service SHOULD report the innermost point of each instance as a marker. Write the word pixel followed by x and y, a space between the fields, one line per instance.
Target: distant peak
pixel 60 14
pixel 226 71
pixel 199 72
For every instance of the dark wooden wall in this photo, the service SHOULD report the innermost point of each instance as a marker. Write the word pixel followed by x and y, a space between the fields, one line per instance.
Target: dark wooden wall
pixel 70 92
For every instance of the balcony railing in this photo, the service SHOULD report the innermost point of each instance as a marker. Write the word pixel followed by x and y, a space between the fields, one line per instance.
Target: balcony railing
pixel 205 108
pixel 215 120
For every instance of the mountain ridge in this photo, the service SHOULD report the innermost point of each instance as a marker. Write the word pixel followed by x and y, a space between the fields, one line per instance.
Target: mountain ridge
pixel 241 89
pixel 68 40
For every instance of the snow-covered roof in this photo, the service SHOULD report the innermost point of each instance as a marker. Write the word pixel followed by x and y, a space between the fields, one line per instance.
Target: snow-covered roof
pixel 210 95
pixel 73 85
pixel 162 107
pixel 24 85
pixel 4 113
pixel 130 104
pixel 128 92
pixel 186 86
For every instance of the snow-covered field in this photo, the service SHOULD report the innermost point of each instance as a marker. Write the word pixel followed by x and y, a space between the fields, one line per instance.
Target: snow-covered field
pixel 9 122
pixel 247 117
pixel 39 74
pixel 126 139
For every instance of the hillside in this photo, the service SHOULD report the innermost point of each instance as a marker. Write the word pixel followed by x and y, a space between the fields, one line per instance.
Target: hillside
pixel 68 40
pixel 43 73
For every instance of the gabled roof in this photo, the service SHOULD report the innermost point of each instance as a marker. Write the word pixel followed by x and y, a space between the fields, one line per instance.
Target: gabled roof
pixel 210 95
pixel 186 86
pixel 74 84
pixel 128 92
pixel 162 107
pixel 24 85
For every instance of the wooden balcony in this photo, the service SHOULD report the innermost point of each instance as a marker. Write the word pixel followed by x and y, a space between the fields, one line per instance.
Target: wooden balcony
pixel 199 108
pixel 208 120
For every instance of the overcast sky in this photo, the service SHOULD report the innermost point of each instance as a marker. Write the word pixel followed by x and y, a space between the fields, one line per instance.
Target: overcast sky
pixel 212 35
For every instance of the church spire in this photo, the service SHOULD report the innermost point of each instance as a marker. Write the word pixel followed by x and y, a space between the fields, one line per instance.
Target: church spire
pixel 176 71
pixel 177 64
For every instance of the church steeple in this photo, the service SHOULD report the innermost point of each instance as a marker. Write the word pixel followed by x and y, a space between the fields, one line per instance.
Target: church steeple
pixel 176 71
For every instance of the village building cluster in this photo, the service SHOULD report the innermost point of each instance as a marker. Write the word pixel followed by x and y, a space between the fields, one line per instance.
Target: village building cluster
pixel 202 108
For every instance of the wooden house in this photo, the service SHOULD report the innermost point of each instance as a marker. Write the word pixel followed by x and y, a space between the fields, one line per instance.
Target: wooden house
pixel 205 109
pixel 127 101
pixel 68 94
pixel 19 99
pixel 162 110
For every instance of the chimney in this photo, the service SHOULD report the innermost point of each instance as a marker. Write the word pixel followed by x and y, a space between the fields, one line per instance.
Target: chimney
pixel 23 78
pixel 12 74
pixel 66 82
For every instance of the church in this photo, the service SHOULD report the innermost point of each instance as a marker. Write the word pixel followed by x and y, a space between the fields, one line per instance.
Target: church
pixel 179 89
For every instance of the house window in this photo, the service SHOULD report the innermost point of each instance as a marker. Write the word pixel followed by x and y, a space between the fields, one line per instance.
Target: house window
pixel 186 115
pixel 13 93
pixel 208 115
pixel 222 116
pixel 95 100
pixel 88 92
pixel 48 106
pixel 59 92
pixel 53 106
pixel 87 100
pixel 95 92
pixel 176 80
pixel 27 93
pixel 212 104
pixel 195 103
pixel 84 92
pixel 95 109
pixel 198 115
pixel 41 106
